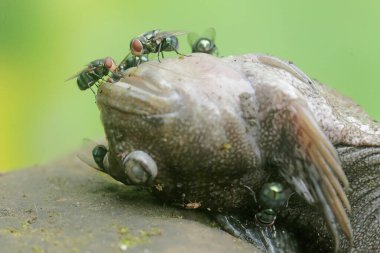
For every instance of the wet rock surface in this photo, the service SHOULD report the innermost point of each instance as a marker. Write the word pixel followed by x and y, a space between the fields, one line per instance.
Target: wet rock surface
pixel 69 207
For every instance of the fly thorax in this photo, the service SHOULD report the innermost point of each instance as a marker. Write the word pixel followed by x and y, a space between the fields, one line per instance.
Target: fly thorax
pixel 203 45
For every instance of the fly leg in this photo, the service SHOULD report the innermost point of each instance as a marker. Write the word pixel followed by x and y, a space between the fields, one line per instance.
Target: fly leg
pixel 158 52
pixel 175 50
pixel 89 86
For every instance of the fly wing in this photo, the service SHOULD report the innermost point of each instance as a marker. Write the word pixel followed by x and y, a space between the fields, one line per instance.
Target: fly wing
pixel 78 73
pixel 192 37
pixel 161 35
pixel 85 153
pixel 292 139
pixel 73 76
pixel 210 33
pixel 149 32
pixel 88 68
pixel 122 62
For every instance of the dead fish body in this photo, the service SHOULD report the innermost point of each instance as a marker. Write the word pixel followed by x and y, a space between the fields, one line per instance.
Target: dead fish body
pixel 218 129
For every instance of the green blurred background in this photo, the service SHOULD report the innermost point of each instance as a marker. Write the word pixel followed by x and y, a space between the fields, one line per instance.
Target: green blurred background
pixel 42 42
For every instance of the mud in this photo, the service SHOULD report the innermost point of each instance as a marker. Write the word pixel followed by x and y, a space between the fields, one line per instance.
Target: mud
pixel 67 206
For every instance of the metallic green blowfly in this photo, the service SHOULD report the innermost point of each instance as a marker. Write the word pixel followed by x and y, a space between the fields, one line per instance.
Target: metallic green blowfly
pixel 155 41
pixel 96 72
pixel 131 61
pixel 204 43
pixel 98 154
pixel 272 198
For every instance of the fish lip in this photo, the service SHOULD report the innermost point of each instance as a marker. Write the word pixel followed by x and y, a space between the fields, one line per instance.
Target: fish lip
pixel 143 84
pixel 135 95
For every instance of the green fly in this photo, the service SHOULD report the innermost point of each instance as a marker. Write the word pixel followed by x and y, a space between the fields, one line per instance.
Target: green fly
pixel 96 72
pixel 94 155
pixel 272 198
pixel 131 61
pixel 155 41
pixel 204 43
pixel 99 152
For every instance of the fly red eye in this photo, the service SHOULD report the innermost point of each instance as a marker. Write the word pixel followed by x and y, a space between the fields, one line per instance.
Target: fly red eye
pixel 108 62
pixel 136 47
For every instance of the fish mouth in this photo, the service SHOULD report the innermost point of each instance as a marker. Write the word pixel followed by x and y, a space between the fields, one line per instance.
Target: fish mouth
pixel 136 95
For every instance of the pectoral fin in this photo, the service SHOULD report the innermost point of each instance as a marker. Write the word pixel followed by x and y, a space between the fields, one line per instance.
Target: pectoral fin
pixel 293 141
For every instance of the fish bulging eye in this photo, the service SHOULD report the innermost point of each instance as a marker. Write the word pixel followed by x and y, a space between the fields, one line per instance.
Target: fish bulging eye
pixel 136 47
pixel 139 167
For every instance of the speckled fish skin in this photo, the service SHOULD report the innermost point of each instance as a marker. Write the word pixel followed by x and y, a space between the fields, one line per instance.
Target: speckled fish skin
pixel 219 129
